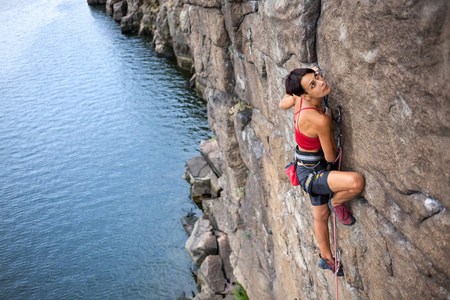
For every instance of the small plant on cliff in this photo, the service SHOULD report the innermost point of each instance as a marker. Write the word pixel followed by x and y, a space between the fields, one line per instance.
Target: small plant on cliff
pixel 241 191
pixel 236 289
pixel 231 50
pixel 239 106
pixel 229 284
pixel 240 293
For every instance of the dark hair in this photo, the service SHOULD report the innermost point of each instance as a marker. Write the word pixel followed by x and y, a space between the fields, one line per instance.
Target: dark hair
pixel 292 82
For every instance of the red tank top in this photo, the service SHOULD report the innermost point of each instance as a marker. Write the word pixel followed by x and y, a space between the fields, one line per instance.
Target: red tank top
pixel 303 141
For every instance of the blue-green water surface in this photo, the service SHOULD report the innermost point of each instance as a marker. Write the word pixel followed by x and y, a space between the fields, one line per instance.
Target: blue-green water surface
pixel 94 134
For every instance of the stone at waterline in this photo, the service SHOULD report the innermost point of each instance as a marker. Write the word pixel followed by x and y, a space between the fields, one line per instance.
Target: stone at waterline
pixel 210 274
pixel 96 2
pixel 120 10
pixel 162 39
pixel 188 222
pixel 202 242
pixel 131 22
pixel 110 6
pixel 182 297
pixel 204 182
pixel 145 25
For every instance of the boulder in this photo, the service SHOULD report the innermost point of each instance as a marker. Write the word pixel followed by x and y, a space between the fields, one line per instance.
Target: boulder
pixel 96 2
pixel 195 168
pixel 223 212
pixel 202 242
pixel 204 182
pixel 132 21
pixel 146 25
pixel 162 39
pixel 224 253
pixel 120 10
pixel 110 6
pixel 210 274
pixel 178 22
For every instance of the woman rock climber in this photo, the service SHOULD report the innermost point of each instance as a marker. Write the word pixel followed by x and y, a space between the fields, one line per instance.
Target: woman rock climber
pixel 316 150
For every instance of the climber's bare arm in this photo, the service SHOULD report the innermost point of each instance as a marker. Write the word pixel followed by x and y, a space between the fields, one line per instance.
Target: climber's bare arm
pixel 287 102
pixel 328 114
pixel 324 129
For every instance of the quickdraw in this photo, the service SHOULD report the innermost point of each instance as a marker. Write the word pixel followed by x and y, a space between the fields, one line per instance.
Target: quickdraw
pixel 338 258
pixel 338 121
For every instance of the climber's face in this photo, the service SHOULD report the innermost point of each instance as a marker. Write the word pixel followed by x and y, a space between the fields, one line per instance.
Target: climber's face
pixel 314 85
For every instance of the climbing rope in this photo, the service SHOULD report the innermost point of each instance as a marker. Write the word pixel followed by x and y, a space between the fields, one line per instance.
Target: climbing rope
pixel 337 251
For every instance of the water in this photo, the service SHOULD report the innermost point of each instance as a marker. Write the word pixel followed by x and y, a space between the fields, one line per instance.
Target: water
pixel 94 134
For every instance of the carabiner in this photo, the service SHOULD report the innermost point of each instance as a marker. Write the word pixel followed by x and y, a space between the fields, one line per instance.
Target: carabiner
pixel 338 108
pixel 339 258
pixel 338 121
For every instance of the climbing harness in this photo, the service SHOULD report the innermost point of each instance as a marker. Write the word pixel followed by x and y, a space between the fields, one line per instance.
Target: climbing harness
pixel 312 175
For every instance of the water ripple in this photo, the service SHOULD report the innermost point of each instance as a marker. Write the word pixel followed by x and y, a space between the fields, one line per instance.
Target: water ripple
pixel 94 134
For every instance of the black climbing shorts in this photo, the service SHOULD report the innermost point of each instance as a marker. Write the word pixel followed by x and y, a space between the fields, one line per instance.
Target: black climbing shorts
pixel 320 191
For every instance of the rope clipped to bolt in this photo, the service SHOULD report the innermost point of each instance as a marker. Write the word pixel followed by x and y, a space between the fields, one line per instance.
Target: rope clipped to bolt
pixel 337 251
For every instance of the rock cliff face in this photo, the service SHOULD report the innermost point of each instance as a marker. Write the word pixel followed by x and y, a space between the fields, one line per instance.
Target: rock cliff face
pixel 387 63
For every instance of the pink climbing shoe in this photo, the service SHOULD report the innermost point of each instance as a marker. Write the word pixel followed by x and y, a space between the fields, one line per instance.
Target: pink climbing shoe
pixel 343 214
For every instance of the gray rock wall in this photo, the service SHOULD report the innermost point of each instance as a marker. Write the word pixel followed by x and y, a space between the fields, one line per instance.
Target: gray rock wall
pixel 387 63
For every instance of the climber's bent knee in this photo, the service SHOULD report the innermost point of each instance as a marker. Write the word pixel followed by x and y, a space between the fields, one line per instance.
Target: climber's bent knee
pixel 345 181
pixel 358 183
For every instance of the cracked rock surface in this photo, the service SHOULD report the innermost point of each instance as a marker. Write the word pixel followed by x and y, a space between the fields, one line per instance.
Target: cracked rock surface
pixel 387 63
